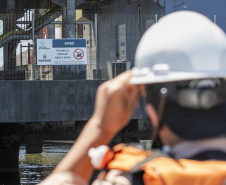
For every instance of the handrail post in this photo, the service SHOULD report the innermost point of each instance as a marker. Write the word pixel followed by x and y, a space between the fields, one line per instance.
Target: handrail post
pixel 33 38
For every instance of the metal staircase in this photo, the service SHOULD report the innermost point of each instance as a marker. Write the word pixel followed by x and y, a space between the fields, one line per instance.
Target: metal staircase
pixel 17 23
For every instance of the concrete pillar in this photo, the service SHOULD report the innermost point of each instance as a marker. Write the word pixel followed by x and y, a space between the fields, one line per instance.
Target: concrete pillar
pixel 51 31
pixel 145 129
pixel 78 127
pixel 130 134
pixel 68 18
pixel 69 72
pixel 10 177
pixel 9 153
pixel 33 140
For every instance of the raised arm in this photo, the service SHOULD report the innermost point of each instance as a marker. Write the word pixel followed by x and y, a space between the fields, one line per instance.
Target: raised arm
pixel 115 102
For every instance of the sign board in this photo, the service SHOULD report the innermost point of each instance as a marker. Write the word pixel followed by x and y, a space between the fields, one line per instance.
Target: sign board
pixel 61 51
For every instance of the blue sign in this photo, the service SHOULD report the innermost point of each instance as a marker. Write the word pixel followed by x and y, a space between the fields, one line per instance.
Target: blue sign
pixel 69 43
pixel 61 51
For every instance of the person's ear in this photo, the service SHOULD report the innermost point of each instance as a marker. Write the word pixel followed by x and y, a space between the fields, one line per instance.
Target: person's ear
pixel 152 114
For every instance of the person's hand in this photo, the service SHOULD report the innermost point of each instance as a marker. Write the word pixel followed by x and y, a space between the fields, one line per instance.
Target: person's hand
pixel 115 102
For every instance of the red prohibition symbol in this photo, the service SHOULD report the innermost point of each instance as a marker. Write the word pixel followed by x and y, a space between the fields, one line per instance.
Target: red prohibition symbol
pixel 78 54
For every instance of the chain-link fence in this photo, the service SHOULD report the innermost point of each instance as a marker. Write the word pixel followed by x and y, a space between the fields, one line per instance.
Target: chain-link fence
pixel 111 42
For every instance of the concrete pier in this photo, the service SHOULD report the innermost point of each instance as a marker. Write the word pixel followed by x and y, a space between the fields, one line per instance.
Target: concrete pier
pixel 78 127
pixel 9 153
pixel 33 140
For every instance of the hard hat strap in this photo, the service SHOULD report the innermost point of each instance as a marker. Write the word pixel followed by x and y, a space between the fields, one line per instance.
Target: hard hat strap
pixel 155 137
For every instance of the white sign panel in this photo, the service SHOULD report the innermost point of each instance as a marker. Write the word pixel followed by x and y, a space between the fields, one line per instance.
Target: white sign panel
pixel 61 51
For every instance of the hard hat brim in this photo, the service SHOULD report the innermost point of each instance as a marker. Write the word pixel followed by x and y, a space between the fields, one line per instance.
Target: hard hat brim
pixel 152 78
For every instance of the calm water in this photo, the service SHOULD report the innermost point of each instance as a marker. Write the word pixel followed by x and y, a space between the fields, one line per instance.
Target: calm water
pixel 35 167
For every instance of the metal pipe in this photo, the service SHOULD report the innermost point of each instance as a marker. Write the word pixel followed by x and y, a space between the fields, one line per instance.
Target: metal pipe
pixel 21 57
pixel 215 19
pixel 33 34
pixel 156 17
pixel 97 64
pixel 76 22
pixel 29 57
pixel 139 23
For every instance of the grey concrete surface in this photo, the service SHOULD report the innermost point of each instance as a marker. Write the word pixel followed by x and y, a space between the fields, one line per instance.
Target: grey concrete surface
pixel 35 101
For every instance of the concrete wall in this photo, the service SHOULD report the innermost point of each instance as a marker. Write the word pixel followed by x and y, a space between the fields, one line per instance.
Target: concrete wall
pixel 36 101
pixel 206 7
pixel 112 13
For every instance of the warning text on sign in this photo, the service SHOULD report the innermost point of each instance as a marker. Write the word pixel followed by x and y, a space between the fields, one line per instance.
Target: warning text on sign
pixel 61 51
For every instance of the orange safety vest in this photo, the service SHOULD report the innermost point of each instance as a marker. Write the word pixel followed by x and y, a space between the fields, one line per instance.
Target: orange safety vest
pixel 162 170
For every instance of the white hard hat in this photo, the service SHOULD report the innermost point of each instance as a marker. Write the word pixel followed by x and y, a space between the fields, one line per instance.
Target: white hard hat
pixel 183 45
